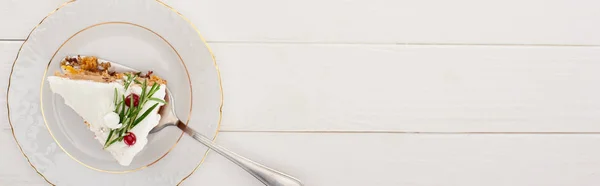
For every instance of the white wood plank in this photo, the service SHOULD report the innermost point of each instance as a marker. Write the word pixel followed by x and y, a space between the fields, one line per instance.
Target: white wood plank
pixel 285 87
pixel 397 21
pixel 374 21
pixel 386 159
pixel 410 88
pixel 411 160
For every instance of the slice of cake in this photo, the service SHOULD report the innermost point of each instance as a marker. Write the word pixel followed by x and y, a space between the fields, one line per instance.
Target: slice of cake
pixel 119 107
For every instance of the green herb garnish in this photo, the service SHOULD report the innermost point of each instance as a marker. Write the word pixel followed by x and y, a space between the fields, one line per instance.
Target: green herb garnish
pixel 138 120
pixel 158 100
pixel 128 116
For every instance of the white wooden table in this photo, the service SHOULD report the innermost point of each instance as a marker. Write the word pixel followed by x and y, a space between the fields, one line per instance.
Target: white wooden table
pixel 386 92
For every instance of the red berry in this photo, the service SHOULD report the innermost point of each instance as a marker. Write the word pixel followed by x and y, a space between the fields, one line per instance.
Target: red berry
pixel 136 100
pixel 129 139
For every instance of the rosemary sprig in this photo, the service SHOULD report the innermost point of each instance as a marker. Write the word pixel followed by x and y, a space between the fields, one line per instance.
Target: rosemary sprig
pixel 158 100
pixel 110 143
pixel 122 112
pixel 128 117
pixel 116 97
pixel 138 120
pixel 144 87
pixel 129 80
pixel 108 139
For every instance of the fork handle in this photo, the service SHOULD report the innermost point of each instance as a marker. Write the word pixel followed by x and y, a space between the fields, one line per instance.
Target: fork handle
pixel 266 175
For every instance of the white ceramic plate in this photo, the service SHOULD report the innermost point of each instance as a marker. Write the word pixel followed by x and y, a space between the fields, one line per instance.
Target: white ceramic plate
pixel 142 34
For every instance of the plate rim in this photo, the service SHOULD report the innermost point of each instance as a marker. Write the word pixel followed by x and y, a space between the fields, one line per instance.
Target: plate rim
pixel 166 6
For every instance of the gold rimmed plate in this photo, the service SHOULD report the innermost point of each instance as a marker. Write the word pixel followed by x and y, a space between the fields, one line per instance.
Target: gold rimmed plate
pixel 142 34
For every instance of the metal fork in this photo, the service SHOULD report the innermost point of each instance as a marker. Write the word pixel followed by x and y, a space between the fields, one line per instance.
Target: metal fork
pixel 266 175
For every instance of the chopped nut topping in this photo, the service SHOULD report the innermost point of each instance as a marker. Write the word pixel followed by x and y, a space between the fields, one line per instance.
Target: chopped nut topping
pixel 89 63
pixel 87 67
pixel 105 65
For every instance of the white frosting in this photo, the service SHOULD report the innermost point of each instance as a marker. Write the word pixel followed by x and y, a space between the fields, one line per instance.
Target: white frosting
pixel 94 102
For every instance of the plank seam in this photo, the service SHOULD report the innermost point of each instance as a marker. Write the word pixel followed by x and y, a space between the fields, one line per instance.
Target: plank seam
pixel 382 44
pixel 409 132
pixel 403 44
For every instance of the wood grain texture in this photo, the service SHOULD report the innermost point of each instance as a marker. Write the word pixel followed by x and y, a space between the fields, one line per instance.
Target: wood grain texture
pixel 386 66
pixel 385 160
pixel 288 72
pixel 288 87
pixel 411 160
pixel 397 21
pixel 557 22
pixel 285 87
